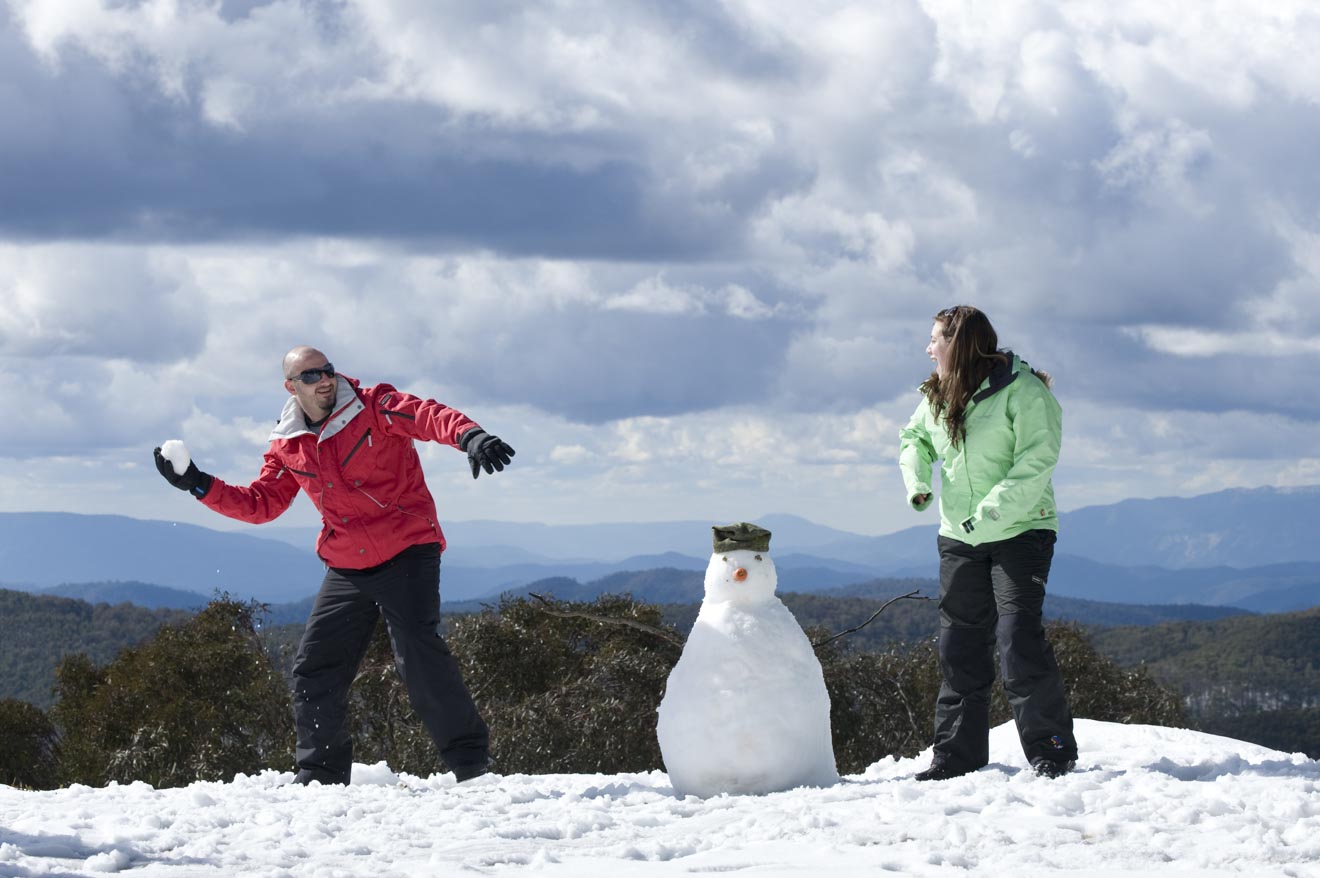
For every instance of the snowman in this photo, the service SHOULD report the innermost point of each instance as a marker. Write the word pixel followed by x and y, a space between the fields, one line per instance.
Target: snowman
pixel 745 709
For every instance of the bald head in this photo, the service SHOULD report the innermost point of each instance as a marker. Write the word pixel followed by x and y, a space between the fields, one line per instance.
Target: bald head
pixel 302 357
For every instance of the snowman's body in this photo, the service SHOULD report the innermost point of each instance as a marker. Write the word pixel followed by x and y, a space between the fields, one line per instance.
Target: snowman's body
pixel 745 709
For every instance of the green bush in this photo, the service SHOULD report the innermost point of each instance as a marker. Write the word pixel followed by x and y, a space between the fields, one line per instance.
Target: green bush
pixel 561 694
pixel 564 693
pixel 199 701
pixel 1099 689
pixel 30 757
pixel 883 703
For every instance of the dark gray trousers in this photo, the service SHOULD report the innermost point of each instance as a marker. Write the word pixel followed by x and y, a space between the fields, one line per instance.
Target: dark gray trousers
pixel 406 591
pixel 993 593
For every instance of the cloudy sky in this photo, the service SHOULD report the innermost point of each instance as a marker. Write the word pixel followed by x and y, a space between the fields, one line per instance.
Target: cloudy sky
pixel 682 255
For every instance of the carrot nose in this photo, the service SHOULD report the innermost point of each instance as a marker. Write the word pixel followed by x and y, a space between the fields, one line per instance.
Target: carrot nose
pixel 740 574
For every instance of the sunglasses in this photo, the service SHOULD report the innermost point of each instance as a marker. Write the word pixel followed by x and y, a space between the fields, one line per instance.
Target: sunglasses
pixel 312 376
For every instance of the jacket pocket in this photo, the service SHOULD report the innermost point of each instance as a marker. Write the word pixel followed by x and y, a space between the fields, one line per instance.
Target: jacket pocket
pixel 429 523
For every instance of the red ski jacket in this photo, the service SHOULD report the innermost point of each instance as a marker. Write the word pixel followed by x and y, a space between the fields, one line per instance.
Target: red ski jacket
pixel 361 471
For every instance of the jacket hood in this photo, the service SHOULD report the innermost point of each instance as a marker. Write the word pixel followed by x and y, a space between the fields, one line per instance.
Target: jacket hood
pixel 1004 373
pixel 293 421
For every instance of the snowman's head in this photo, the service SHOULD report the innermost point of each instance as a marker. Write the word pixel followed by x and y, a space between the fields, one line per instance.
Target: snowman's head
pixel 741 577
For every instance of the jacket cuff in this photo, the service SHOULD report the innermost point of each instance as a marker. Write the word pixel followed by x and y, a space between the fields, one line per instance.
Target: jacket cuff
pixel 919 489
pixel 203 486
pixel 985 524
pixel 468 435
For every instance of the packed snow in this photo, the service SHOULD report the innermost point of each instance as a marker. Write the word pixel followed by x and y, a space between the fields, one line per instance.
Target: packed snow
pixel 176 452
pixel 745 709
pixel 1145 800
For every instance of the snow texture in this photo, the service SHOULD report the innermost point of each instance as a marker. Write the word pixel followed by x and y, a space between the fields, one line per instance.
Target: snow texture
pixel 1145 801
pixel 176 453
pixel 745 709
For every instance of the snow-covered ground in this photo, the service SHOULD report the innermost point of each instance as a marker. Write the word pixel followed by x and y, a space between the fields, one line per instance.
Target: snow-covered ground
pixel 1145 801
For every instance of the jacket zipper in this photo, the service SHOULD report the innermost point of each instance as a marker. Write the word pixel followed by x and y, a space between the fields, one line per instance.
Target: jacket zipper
pixel 971 489
pixel 366 437
pixel 298 471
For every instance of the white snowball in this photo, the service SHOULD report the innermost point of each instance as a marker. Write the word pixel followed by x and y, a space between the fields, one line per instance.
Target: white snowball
pixel 176 453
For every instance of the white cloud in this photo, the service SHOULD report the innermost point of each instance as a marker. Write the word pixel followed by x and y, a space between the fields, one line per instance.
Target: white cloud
pixel 225 102
pixel 655 295
pixel 814 229
pixel 1160 164
pixel 979 47
pixel 633 224
pixel 569 454
pixel 1183 342
pixel 99 301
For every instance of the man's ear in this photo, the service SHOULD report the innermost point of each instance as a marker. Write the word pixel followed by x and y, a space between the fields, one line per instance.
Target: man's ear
pixel 288 385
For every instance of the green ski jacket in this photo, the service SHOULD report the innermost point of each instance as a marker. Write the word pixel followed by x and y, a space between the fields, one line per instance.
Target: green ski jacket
pixel 997 483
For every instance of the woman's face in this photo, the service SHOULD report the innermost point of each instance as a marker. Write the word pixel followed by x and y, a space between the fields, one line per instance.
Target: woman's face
pixel 938 349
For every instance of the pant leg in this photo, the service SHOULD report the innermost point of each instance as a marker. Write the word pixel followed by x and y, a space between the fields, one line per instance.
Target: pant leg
pixel 336 638
pixel 1020 569
pixel 966 653
pixel 409 598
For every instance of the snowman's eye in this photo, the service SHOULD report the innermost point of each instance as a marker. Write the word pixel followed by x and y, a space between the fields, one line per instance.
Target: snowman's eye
pixel 758 557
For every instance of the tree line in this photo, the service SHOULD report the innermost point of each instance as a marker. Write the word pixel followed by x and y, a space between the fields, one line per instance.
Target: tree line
pixel 564 686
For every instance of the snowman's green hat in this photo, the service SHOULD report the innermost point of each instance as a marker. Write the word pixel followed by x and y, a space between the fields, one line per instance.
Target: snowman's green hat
pixel 749 537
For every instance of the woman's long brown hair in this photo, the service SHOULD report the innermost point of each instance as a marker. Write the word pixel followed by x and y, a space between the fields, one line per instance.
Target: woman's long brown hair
pixel 973 352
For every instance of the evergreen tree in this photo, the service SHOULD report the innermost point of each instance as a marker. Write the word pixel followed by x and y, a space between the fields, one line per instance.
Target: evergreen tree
pixel 30 756
pixel 199 701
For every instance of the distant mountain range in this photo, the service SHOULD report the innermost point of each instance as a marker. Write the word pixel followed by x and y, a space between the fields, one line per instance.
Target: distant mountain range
pixel 143 594
pixel 43 549
pixel 682 587
pixel 1245 548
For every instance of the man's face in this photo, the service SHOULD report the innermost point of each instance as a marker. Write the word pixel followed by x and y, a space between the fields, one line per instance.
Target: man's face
pixel 317 399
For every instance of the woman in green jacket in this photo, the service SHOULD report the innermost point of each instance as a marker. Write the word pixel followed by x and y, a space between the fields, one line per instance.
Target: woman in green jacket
pixel 995 427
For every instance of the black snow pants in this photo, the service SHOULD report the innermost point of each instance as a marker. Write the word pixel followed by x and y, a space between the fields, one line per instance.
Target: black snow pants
pixel 406 591
pixel 994 593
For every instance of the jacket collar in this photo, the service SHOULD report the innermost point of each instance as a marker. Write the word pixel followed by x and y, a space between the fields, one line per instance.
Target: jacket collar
pixel 293 422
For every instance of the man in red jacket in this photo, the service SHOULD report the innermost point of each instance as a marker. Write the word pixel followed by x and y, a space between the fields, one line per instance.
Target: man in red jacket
pixel 351 450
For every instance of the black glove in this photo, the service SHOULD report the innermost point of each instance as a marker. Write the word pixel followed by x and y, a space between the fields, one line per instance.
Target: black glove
pixel 193 480
pixel 485 451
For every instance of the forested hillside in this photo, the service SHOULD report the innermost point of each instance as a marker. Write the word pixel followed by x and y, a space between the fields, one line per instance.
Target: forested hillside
pixel 1251 677
pixel 37 631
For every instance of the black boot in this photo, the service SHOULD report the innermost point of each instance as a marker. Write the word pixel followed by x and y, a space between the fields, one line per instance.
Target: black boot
pixel 471 770
pixel 1052 768
pixel 942 769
